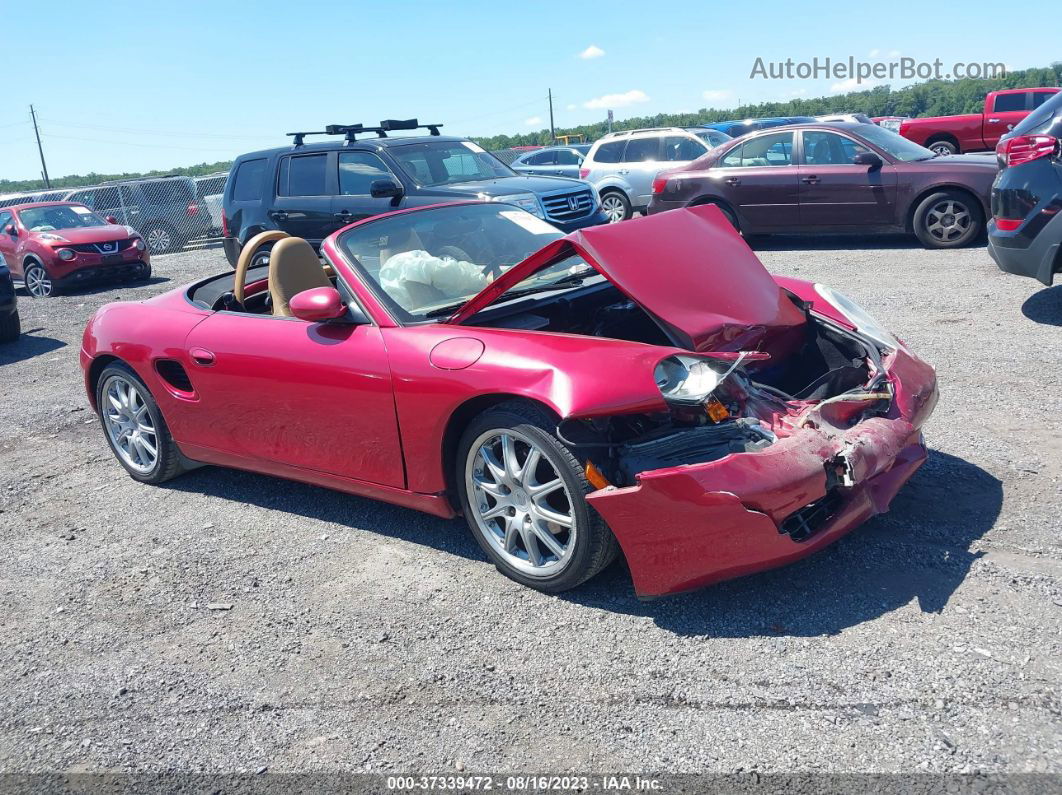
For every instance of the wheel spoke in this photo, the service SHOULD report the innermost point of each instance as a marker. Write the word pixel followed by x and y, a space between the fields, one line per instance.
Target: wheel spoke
pixel 509 541
pixel 146 446
pixel 534 554
pixel 499 509
pixel 493 465
pixel 550 515
pixel 539 490
pixel 509 461
pixel 527 471
pixel 546 537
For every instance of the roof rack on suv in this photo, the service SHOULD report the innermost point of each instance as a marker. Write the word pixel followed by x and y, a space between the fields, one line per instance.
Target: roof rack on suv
pixel 351 131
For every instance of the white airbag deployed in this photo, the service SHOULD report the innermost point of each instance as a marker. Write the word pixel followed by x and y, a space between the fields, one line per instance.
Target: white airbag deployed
pixel 415 278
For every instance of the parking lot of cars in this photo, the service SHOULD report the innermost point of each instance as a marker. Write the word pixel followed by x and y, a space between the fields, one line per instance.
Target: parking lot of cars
pixel 234 621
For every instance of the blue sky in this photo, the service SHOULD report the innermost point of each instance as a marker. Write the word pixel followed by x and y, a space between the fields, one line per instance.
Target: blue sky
pixel 128 87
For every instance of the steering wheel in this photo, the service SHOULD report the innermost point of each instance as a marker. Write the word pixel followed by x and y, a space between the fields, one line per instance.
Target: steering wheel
pixel 246 254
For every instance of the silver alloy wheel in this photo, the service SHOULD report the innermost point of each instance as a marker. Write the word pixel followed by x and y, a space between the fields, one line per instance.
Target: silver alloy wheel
pixel 942 149
pixel 37 282
pixel 129 424
pixel 612 205
pixel 520 504
pixel 159 240
pixel 948 220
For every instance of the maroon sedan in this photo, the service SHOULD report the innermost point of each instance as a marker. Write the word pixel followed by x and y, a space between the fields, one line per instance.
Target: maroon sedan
pixel 836 178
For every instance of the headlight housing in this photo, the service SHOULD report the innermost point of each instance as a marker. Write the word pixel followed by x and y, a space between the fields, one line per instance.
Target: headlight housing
pixel 525 201
pixel 51 237
pixel 864 323
pixel 139 244
pixel 65 254
pixel 688 380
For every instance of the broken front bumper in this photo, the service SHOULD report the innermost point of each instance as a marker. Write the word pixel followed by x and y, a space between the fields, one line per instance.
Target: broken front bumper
pixel 688 526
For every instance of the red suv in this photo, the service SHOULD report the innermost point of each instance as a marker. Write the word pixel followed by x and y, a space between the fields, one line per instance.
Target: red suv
pixel 50 245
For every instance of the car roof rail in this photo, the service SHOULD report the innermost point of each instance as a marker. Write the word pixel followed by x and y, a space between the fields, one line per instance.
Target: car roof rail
pixel 352 131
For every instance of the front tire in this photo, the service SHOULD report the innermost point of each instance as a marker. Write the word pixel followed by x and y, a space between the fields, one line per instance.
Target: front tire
pixel 134 426
pixel 523 495
pixel 944 148
pixel 37 281
pixel 948 219
pixel 616 206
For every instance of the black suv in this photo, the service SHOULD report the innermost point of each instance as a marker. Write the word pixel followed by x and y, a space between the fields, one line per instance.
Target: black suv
pixel 9 323
pixel 310 190
pixel 166 211
pixel 1025 233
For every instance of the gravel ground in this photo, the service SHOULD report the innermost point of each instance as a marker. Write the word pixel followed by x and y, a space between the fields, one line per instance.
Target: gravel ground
pixel 368 637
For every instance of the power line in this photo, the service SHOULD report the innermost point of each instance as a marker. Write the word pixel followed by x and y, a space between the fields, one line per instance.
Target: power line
pixel 142 145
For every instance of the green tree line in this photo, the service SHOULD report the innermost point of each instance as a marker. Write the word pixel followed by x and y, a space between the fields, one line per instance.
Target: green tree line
pixel 931 98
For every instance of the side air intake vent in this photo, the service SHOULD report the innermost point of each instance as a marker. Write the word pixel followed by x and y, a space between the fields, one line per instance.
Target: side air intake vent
pixel 175 375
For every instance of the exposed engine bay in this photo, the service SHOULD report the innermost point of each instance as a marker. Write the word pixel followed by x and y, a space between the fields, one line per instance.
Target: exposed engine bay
pixel 818 374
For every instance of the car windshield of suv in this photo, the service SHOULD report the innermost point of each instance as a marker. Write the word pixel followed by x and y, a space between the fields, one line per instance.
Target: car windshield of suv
pixel 426 264
pixel 431 164
pixel 47 219
pixel 893 143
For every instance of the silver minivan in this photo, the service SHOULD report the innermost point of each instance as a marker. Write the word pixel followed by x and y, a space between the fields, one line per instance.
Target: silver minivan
pixel 622 165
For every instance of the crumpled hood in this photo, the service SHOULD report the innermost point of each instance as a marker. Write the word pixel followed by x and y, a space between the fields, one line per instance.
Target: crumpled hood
pixel 687 268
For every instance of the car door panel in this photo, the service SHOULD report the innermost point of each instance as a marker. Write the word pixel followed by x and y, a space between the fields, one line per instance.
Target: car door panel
pixel 310 395
pixel 758 178
pixel 833 191
pixel 306 186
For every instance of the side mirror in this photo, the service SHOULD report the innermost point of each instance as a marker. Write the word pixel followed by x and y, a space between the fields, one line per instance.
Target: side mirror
pixel 10 230
pixel 385 188
pixel 111 219
pixel 868 159
pixel 318 305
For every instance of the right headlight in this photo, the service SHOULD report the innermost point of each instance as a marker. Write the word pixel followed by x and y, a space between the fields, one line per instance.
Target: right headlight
pixel 525 201
pixel 686 379
pixel 859 317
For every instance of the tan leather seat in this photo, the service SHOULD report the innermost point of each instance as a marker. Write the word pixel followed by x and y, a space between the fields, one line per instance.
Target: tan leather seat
pixel 293 268
pixel 247 254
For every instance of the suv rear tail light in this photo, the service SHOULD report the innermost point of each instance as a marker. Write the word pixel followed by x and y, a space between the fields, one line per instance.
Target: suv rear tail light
pixel 659 183
pixel 584 173
pixel 1008 224
pixel 1023 148
pixel 193 210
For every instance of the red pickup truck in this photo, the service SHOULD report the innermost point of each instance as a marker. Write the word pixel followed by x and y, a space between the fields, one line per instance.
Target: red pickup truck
pixel 976 132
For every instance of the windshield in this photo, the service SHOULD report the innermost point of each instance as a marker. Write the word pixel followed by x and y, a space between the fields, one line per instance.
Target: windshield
pixel 62 216
pixel 428 263
pixel 433 163
pixel 711 137
pixel 897 146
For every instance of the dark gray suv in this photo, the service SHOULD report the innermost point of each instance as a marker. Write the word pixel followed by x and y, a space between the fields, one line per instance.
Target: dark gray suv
pixel 310 190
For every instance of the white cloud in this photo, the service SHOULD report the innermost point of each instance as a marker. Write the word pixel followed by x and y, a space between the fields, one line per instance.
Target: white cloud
pixel 851 84
pixel 895 53
pixel 593 51
pixel 573 106
pixel 533 121
pixel 716 94
pixel 874 53
pixel 614 101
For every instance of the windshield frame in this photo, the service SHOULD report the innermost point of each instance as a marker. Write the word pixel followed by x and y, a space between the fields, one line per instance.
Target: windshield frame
pixel 396 150
pixel 403 317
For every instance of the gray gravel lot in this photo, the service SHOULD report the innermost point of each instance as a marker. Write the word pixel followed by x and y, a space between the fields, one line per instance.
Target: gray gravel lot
pixel 368 637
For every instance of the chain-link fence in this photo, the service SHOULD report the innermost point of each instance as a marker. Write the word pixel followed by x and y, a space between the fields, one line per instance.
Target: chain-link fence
pixel 170 213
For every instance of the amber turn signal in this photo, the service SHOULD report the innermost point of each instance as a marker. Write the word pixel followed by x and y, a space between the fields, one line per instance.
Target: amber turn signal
pixel 715 410
pixel 593 474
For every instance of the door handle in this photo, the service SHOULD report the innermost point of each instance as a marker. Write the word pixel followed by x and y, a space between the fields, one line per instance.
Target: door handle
pixel 278 215
pixel 812 180
pixel 343 215
pixel 624 171
pixel 732 181
pixel 201 356
pixel 993 121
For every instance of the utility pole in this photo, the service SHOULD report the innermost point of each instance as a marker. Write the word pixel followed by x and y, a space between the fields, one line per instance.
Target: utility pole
pixel 552 135
pixel 44 167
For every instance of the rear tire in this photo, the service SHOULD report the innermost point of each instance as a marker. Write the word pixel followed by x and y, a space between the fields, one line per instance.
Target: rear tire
pixel 616 206
pixel 10 327
pixel 509 518
pixel 161 238
pixel 943 147
pixel 948 219
pixel 134 427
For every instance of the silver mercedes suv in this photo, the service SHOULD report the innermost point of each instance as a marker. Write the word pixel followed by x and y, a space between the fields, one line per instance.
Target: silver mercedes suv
pixel 622 165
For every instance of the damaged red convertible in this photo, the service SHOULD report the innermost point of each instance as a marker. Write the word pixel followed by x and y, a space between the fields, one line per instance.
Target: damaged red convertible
pixel 644 389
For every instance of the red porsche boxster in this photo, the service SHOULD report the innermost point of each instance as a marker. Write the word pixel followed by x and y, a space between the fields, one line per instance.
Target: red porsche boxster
pixel 644 388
